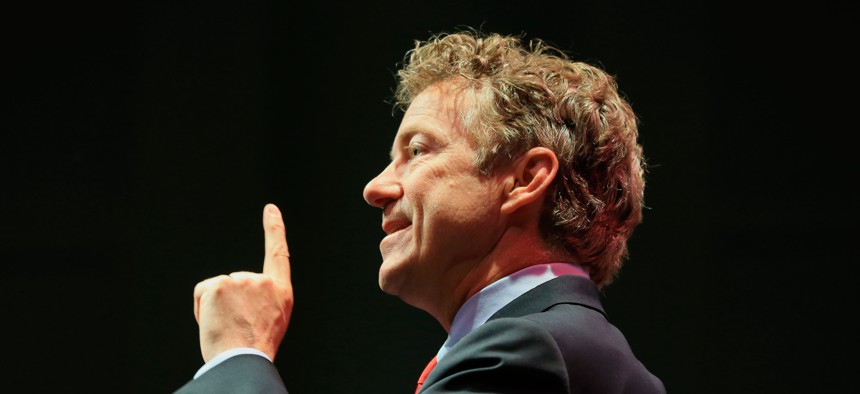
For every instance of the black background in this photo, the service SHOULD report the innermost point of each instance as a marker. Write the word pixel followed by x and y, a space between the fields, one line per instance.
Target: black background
pixel 141 142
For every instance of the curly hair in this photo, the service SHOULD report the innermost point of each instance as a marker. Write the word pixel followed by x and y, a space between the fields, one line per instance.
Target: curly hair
pixel 529 95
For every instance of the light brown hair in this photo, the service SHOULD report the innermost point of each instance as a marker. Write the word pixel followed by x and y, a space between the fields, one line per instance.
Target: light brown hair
pixel 531 94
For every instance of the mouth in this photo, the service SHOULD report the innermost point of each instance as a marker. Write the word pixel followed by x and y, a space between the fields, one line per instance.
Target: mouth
pixel 395 226
pixel 395 233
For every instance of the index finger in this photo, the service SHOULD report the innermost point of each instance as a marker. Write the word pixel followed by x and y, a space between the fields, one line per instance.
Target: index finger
pixel 277 260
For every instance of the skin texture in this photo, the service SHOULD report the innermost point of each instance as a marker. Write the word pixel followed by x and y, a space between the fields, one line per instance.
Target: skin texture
pixel 451 231
pixel 247 309
pixel 447 225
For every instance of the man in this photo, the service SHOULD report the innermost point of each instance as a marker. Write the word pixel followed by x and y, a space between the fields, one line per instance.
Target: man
pixel 515 181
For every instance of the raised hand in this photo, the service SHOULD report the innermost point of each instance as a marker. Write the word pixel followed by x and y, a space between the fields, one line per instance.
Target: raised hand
pixel 248 309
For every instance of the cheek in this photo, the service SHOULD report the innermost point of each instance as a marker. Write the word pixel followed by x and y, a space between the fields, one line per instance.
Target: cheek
pixel 441 198
pixel 466 203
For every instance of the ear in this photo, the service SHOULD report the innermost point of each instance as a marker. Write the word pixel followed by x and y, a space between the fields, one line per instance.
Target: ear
pixel 533 173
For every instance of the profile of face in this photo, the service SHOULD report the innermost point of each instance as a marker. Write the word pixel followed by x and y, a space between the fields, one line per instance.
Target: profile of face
pixel 440 215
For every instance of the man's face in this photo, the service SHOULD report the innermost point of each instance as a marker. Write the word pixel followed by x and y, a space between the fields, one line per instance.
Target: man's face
pixel 440 215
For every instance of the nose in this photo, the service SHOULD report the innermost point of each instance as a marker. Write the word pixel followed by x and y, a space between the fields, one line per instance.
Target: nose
pixel 383 189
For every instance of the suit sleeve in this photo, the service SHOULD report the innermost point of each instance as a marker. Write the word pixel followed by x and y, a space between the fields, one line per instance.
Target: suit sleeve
pixel 243 374
pixel 505 355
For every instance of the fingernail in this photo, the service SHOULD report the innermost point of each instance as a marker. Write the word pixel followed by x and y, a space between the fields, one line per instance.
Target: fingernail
pixel 273 211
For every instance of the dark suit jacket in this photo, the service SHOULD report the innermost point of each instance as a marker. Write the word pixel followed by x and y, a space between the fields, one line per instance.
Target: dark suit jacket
pixel 244 374
pixel 553 339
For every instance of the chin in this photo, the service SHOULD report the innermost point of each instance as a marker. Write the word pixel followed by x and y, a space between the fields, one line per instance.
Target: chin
pixel 388 277
pixel 398 274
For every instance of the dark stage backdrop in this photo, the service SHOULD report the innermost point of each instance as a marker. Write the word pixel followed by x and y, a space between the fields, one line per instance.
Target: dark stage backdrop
pixel 140 143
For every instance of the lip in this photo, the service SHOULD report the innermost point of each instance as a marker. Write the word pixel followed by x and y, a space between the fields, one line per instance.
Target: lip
pixel 393 226
pixel 393 233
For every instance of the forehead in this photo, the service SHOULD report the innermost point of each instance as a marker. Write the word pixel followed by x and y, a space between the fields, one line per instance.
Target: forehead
pixel 438 111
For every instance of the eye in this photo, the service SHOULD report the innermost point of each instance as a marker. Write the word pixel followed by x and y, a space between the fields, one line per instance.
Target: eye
pixel 414 150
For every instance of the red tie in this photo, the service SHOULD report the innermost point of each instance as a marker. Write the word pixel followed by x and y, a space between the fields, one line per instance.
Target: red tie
pixel 424 374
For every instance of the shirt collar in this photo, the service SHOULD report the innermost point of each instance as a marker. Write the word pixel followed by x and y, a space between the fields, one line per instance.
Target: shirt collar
pixel 479 307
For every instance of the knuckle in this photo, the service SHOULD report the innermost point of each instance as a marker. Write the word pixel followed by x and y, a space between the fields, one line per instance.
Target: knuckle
pixel 242 276
pixel 218 283
pixel 207 284
pixel 276 226
pixel 266 282
pixel 281 252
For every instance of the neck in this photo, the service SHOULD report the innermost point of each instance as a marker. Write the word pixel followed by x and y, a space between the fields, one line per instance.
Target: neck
pixel 516 249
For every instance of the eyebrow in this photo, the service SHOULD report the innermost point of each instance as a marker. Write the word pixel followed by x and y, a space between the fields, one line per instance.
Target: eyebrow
pixel 406 135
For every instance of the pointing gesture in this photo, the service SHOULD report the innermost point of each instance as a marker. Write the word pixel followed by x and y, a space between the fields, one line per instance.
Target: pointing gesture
pixel 277 261
pixel 247 309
